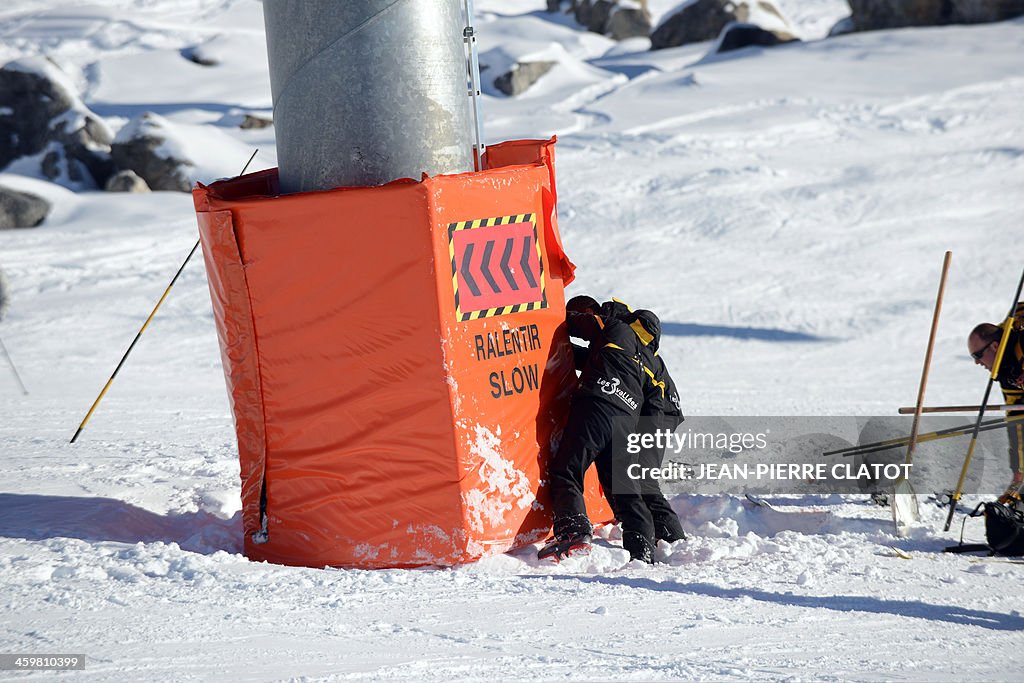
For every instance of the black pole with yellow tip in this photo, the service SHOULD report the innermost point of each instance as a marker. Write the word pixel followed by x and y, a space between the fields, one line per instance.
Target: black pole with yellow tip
pixel 145 325
pixel 1007 326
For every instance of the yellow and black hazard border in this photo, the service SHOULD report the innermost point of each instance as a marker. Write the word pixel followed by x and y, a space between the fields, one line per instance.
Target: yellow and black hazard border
pixel 530 218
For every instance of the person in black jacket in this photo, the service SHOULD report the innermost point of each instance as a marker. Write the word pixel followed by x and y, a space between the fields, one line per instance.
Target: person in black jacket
pixel 604 408
pixel 617 386
pixel 983 345
pixel 660 410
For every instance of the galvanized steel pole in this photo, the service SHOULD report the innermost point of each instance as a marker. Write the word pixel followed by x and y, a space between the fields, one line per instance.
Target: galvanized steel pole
pixel 367 91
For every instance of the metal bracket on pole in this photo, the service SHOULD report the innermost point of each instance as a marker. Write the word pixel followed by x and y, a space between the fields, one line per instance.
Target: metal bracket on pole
pixel 473 73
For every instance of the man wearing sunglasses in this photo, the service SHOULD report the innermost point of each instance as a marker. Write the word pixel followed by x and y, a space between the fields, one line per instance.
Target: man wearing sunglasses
pixel 983 345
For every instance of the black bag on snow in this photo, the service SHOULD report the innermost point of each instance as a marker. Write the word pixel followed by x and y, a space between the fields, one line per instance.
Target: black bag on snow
pixel 1004 530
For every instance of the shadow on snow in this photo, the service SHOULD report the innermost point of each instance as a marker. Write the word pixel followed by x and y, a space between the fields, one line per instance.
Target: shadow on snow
pixel 769 334
pixel 37 517
pixel 916 609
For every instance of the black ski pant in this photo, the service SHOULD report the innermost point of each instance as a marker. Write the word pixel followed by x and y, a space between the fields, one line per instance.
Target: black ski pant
pixel 590 432
pixel 666 521
pixel 621 492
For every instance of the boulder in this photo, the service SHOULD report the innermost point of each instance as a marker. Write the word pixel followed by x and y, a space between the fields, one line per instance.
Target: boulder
pixel 702 20
pixel 197 55
pixel 251 121
pixel 521 77
pixel 738 36
pixel 873 15
pixel 617 19
pixel 595 16
pixel 42 115
pixel 983 11
pixel 628 23
pixel 696 22
pixel 126 181
pixel 147 145
pixel 21 209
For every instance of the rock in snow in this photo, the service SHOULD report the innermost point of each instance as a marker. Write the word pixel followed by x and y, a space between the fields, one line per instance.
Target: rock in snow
pixel 695 22
pixel 521 77
pixel 255 121
pixel 21 209
pixel 872 15
pixel 737 36
pixel 148 146
pixel 43 115
pixel 702 20
pixel 126 181
pixel 619 20
pixel 628 22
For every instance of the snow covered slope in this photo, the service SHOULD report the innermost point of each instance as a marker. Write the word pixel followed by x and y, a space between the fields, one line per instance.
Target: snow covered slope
pixel 785 211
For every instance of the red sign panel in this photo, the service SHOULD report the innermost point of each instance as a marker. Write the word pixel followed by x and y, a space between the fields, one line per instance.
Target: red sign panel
pixel 496 266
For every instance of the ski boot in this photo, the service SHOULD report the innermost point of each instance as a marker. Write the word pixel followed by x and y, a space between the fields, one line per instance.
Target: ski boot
pixel 639 547
pixel 1013 491
pixel 572 545
pixel 573 536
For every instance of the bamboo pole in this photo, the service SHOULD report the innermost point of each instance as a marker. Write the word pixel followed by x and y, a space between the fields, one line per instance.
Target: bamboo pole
pixel 904 504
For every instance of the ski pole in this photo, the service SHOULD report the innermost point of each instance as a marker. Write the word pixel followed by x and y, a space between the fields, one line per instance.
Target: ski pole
pixel 145 325
pixel 928 359
pixel 947 433
pixel 13 369
pixel 903 490
pixel 960 409
pixel 1007 326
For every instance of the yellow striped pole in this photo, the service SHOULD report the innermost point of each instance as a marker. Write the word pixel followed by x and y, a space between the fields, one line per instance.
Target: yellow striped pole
pixel 1007 326
pixel 145 325
pixel 132 345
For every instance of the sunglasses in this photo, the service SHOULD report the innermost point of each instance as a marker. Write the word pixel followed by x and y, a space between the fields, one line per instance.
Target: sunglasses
pixel 976 355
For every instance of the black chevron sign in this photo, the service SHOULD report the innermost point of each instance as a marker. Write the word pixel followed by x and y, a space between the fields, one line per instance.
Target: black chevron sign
pixel 497 267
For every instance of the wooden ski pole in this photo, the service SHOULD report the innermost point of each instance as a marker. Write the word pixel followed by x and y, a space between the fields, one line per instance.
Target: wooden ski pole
pixel 1007 326
pixel 909 410
pixel 928 358
pixel 13 369
pixel 902 486
pixel 947 433
pixel 145 325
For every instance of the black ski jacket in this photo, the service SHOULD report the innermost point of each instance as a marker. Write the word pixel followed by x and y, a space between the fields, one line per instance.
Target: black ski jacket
pixel 661 397
pixel 614 371
pixel 1010 370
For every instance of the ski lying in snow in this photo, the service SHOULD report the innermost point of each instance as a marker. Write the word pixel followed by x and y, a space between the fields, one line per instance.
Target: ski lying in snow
pixel 559 550
pixel 762 503
pixel 904 555
pixel 800 520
